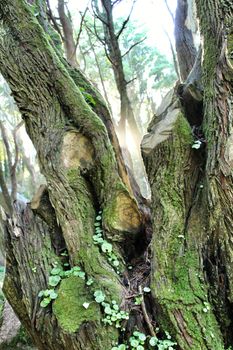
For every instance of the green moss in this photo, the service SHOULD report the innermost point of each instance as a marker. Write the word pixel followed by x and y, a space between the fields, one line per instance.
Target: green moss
pixel 184 294
pixel 183 130
pixel 97 267
pixel 68 307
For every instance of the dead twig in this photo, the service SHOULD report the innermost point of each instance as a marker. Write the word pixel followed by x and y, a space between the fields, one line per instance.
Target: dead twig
pixel 145 314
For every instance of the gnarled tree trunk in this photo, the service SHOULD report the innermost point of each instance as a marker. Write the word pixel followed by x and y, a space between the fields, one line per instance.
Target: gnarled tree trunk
pixel 191 275
pixel 59 121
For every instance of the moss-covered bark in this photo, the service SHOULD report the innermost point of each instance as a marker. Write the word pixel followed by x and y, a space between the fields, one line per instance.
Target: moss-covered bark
pixel 192 199
pixel 191 277
pixel 78 185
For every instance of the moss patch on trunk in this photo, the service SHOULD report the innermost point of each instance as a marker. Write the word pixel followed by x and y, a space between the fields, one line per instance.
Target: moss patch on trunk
pixel 68 307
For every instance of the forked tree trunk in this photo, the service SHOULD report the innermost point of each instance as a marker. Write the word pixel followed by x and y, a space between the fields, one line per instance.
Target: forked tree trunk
pixel 191 278
pixel 60 122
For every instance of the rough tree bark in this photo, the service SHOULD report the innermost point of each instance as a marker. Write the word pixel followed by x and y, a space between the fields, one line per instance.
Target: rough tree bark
pixel 192 195
pixel 59 121
pixel 192 190
pixel 12 160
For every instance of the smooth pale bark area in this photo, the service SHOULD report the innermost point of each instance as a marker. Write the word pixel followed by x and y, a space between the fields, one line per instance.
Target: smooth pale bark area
pixel 192 194
pixel 185 48
pixel 80 182
pixel 69 43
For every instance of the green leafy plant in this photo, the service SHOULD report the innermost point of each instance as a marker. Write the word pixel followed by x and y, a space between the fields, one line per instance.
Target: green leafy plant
pixel 138 300
pixel 120 347
pixel 137 340
pixel 141 341
pixel 162 344
pixel 88 98
pixel 56 275
pixel 48 295
pixel 104 245
pixel 113 314
pixel 99 296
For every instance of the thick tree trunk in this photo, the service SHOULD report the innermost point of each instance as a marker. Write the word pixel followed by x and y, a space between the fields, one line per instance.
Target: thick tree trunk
pixel 192 197
pixel 60 122
pixel 65 325
pixel 191 277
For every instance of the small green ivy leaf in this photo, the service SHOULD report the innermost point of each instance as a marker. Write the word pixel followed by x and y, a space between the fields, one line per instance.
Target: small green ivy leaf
pixel 45 302
pixel 106 247
pixel 153 341
pixel 99 299
pixel 107 310
pixel 64 254
pixel 99 296
pixel 41 293
pixel 54 280
pixel 47 292
pixel 53 295
pixel 56 271
pixel 134 342
pixel 122 347
pixel 116 263
pixel 140 347
pixel 142 337
pixel 76 268
pixel 89 282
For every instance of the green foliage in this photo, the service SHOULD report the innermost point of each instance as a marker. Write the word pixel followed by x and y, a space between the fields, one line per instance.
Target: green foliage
pixel 104 245
pixel 162 344
pixel 99 296
pixel 120 347
pixel 144 61
pixel 56 275
pixel 74 304
pixel 113 314
pixel 140 341
pixel 138 300
pixel 54 280
pixel 88 98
